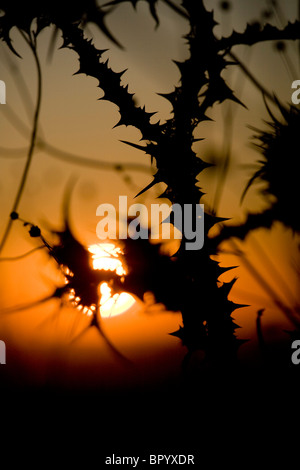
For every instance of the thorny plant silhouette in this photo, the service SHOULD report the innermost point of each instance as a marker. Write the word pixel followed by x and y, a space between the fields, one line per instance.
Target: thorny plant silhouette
pixel 207 325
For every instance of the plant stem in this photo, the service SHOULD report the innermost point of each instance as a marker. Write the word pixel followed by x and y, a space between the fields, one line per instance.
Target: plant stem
pixel 31 41
pixel 252 77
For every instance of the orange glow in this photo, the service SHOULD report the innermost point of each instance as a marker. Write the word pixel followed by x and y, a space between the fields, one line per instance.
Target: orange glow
pixel 76 302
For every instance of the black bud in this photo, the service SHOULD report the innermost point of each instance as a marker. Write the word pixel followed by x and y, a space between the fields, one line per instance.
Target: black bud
pixel 35 231
pixel 280 46
pixel 14 215
pixel 226 6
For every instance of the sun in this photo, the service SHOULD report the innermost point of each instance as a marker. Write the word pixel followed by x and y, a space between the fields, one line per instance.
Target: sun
pixel 106 256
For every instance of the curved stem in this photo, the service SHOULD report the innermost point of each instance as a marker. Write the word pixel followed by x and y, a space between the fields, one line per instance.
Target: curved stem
pixel 32 43
pixel 28 253
pixel 252 77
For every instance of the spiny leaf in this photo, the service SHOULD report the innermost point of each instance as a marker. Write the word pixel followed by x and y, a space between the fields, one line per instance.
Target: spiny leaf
pixel 254 34
pixel 152 6
pixel 22 14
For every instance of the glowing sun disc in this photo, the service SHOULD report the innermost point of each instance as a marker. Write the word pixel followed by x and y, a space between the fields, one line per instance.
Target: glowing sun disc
pixel 105 256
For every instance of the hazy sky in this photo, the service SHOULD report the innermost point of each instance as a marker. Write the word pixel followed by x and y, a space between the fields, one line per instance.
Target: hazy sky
pixel 73 120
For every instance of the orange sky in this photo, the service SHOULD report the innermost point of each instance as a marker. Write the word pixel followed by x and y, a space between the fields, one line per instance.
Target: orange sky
pixel 72 119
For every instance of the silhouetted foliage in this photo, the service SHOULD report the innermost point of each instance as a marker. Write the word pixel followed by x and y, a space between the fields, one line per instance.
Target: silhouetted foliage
pixel 21 15
pixel 278 170
pixel 281 178
pixel 188 281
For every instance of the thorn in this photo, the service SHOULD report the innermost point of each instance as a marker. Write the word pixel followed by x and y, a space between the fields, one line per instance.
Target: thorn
pixel 139 147
pixel 149 186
